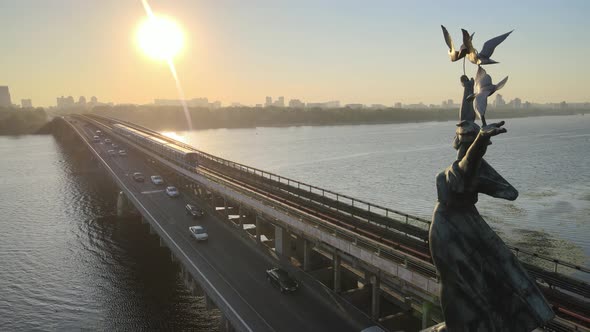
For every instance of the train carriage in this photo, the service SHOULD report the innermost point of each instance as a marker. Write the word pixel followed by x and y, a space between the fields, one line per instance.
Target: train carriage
pixel 158 145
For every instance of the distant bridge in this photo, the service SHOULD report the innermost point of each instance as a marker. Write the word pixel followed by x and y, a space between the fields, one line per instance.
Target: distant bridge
pixel 359 264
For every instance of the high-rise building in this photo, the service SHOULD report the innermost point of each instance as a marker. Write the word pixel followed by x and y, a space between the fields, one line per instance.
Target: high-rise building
pixel 268 101
pixel 5 97
pixel 280 102
pixel 499 101
pixel 26 103
pixel 296 103
pixel 65 102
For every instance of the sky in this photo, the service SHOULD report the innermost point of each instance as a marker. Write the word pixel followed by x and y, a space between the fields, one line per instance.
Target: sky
pixel 370 52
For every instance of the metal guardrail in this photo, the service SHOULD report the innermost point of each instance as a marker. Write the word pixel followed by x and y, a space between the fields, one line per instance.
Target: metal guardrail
pixel 369 207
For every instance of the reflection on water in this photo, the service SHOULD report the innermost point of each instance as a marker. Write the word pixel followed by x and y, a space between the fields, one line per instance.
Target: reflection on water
pixel 68 262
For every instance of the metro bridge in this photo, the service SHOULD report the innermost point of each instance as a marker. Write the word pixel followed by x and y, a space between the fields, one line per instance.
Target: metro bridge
pixel 358 264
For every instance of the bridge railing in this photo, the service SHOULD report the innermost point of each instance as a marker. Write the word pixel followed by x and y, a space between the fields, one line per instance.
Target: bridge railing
pixel 284 183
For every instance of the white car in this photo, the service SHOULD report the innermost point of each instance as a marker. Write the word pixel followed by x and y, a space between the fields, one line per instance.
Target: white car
pixel 156 179
pixel 199 233
pixel 112 152
pixel 122 153
pixel 172 191
pixel 107 140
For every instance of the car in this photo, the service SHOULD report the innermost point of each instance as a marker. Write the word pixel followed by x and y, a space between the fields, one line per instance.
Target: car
pixel 156 179
pixel 194 210
pixel 122 153
pixel 199 233
pixel 107 140
pixel 115 145
pixel 112 152
pixel 96 139
pixel 137 176
pixel 98 132
pixel 172 191
pixel 281 279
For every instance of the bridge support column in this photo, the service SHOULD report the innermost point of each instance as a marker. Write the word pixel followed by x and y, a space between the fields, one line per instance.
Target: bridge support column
pixel 226 325
pixel 240 221
pixel 225 208
pixel 307 247
pixel 208 303
pixel 122 204
pixel 337 272
pixel 426 313
pixel 282 241
pixel 375 296
pixel 258 230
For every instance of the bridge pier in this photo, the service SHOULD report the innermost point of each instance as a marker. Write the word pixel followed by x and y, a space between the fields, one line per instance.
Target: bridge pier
pixel 307 248
pixel 282 238
pixel 375 296
pixel 226 325
pixel 258 230
pixel 209 305
pixel 336 268
pixel 122 204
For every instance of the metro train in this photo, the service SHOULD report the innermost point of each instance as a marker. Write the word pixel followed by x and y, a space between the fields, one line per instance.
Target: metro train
pixel 158 145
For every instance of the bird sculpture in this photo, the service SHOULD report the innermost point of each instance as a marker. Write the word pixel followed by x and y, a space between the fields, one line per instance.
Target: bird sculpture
pixel 482 57
pixel 453 53
pixel 483 89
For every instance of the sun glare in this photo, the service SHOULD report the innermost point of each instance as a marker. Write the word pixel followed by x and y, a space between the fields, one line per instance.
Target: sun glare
pixel 160 38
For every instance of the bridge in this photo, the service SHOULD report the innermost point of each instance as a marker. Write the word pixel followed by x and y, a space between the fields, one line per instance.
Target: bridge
pixel 358 264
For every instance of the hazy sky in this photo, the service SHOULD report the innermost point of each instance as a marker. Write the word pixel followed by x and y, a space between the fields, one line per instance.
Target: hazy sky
pixel 352 51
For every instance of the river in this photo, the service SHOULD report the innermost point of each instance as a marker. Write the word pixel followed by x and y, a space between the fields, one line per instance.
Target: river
pixel 67 262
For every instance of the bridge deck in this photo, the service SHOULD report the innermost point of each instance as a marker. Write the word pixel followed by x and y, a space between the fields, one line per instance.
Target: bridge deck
pixel 231 267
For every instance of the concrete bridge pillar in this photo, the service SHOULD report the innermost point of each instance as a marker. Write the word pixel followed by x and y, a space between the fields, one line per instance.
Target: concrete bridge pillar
pixel 258 230
pixel 208 302
pixel 282 241
pixel 225 207
pixel 240 220
pixel 336 260
pixel 226 325
pixel 375 296
pixel 307 248
pixel 426 313
pixel 122 204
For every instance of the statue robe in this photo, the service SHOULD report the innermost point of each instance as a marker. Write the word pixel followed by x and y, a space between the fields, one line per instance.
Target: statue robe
pixel 484 287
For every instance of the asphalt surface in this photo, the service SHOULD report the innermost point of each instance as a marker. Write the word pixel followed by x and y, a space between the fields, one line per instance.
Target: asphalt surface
pixel 236 270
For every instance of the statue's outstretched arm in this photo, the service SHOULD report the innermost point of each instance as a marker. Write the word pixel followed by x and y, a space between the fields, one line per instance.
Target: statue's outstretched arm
pixel 470 162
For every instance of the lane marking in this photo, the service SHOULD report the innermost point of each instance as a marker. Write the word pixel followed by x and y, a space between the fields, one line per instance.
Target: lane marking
pixel 151 191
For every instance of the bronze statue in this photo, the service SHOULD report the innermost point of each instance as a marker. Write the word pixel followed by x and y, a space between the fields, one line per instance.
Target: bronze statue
pixel 484 287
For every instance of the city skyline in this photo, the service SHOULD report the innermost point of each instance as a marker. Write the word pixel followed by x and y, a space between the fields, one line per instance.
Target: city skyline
pixel 69 102
pixel 381 53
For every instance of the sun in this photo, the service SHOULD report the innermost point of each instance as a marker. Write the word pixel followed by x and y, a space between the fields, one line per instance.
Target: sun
pixel 160 38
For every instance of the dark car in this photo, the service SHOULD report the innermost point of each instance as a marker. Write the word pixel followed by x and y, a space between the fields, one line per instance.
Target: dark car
pixel 281 279
pixel 137 176
pixel 194 210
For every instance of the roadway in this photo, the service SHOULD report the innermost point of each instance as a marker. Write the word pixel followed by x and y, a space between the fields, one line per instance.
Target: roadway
pixel 234 268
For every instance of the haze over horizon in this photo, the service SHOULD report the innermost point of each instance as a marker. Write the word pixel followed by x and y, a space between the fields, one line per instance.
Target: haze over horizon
pixel 356 52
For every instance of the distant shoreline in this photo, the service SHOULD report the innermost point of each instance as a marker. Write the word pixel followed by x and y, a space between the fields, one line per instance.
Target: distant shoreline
pixel 15 122
pixel 173 118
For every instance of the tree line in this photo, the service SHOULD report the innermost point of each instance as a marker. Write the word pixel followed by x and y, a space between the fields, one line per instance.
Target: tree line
pixel 173 117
